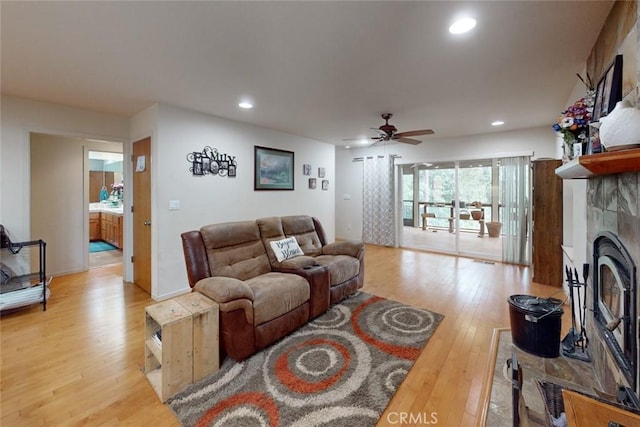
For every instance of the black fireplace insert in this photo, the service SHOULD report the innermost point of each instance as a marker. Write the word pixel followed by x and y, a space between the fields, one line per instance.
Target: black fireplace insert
pixel 615 302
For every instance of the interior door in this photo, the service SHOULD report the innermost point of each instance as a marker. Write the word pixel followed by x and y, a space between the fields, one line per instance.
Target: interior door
pixel 142 214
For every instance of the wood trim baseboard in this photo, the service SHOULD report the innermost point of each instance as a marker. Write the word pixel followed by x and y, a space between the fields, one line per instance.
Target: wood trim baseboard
pixel 487 384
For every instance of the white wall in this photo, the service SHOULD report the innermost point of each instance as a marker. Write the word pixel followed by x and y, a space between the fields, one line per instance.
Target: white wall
pixel 20 117
pixel 539 141
pixel 174 133
pixel 212 199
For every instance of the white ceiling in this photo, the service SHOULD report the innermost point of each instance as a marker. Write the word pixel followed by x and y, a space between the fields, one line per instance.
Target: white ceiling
pixel 323 70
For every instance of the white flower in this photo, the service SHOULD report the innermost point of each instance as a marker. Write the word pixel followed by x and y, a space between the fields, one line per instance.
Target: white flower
pixel 567 122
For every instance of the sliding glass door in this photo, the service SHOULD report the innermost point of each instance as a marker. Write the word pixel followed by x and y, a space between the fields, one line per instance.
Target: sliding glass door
pixel 457 207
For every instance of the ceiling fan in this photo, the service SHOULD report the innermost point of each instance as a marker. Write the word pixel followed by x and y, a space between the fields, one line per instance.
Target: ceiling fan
pixel 388 132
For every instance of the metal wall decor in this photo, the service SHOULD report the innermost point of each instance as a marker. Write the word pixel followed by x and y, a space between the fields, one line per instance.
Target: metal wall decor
pixel 209 161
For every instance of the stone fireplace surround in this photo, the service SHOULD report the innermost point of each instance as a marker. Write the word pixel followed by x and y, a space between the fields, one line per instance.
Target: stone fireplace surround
pixel 613 205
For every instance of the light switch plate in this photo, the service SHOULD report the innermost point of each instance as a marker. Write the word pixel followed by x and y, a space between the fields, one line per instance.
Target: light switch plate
pixel 174 205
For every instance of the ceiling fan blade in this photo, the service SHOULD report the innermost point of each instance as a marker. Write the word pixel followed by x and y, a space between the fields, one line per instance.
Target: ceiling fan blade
pixel 415 133
pixel 375 140
pixel 408 141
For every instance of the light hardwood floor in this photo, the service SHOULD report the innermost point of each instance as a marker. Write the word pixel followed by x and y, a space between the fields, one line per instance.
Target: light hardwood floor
pixel 79 363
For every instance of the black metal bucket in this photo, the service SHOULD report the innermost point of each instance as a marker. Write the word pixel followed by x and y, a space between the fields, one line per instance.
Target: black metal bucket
pixel 536 324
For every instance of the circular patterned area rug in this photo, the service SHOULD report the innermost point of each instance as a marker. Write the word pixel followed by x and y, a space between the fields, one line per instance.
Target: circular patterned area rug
pixel 340 369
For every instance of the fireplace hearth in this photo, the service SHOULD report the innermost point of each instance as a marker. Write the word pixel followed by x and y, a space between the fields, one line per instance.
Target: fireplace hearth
pixel 615 303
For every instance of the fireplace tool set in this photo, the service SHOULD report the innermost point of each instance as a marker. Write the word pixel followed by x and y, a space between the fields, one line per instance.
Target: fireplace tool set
pixel 574 344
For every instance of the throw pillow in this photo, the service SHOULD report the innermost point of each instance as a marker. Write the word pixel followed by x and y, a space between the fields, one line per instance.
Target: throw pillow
pixel 286 248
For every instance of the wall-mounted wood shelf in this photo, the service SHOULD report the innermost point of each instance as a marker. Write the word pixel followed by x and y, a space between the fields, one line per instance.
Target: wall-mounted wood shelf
pixel 608 163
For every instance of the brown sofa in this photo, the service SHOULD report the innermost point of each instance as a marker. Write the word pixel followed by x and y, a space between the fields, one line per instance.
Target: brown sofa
pixel 344 259
pixel 261 299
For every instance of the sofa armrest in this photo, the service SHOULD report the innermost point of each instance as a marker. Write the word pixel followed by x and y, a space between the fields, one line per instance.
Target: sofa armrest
pixel 345 247
pixel 224 289
pixel 296 263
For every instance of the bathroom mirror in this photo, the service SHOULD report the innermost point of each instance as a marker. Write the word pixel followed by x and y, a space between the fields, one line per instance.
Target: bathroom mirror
pixel 105 169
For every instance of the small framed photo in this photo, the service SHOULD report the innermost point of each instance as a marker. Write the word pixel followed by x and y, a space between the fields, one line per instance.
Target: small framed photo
pixel 312 183
pixel 321 172
pixel 594 146
pixel 306 169
pixel 214 167
pixel 325 184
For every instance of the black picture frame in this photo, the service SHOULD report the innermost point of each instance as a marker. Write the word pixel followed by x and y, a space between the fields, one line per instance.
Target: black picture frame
pixel 608 90
pixel 273 169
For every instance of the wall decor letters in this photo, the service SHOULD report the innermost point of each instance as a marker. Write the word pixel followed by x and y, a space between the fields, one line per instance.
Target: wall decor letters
pixel 209 161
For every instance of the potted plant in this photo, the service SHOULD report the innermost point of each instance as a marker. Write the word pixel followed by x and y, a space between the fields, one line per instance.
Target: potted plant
pixel 477 214
pixel 493 228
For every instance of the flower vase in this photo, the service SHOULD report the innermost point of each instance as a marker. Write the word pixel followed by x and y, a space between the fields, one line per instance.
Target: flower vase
pixel 568 151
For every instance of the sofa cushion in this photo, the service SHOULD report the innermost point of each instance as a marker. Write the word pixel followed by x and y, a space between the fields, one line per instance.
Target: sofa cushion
pixel 302 227
pixel 276 294
pixel 270 230
pixel 341 267
pixel 235 249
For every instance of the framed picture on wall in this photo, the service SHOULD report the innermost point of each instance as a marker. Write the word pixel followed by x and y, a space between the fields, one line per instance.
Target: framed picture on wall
pixel 312 183
pixel 273 169
pixel 325 184
pixel 306 169
pixel 321 172
pixel 608 90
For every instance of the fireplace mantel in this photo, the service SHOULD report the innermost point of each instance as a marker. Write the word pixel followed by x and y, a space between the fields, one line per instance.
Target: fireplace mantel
pixel 608 163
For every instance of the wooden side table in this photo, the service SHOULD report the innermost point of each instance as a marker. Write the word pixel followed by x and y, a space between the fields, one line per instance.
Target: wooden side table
pixel 206 340
pixel 168 364
pixel 189 346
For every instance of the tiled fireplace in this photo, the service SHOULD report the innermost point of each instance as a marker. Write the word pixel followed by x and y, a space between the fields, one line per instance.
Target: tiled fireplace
pixel 613 236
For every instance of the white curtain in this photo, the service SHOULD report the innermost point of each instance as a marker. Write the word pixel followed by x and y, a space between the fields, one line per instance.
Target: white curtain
pixel 378 217
pixel 515 195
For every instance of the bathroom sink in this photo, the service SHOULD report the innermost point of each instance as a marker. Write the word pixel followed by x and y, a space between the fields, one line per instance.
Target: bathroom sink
pixel 105 207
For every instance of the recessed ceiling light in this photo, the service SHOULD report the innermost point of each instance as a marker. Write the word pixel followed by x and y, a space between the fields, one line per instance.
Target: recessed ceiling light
pixel 462 26
pixel 246 105
pixel 497 123
pixel 364 141
pixel 347 146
